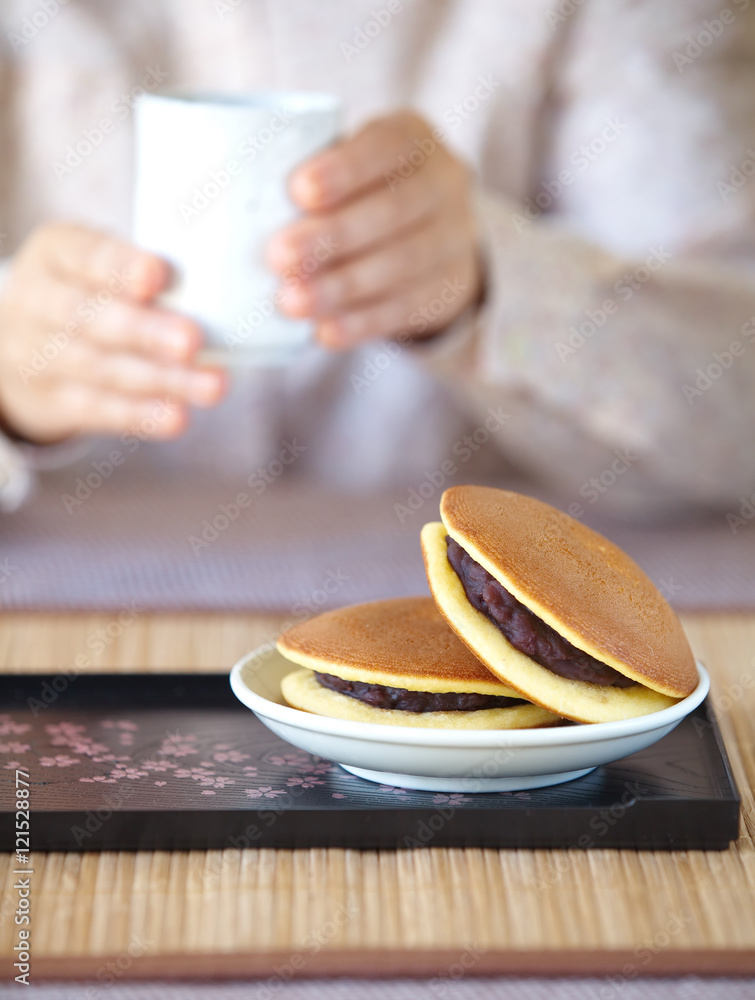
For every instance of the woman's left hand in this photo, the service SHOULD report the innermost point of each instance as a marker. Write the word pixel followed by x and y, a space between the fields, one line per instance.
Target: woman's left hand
pixel 388 244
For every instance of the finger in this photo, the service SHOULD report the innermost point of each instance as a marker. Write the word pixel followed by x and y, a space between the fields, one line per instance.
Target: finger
pixel 130 374
pixel 93 411
pixel 101 262
pixel 370 220
pixel 427 306
pixel 344 170
pixel 391 265
pixel 155 333
pixel 66 310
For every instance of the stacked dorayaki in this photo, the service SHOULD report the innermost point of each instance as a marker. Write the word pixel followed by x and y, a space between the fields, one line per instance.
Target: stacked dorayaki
pixel 534 618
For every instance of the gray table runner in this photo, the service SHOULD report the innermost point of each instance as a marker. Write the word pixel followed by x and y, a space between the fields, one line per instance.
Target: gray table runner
pixel 690 988
pixel 191 543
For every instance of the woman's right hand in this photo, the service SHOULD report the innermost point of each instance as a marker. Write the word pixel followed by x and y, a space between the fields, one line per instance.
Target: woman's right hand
pixel 83 347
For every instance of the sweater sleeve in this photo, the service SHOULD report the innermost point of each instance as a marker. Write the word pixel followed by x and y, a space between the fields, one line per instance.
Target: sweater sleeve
pixel 619 326
pixel 20 461
pixel 15 473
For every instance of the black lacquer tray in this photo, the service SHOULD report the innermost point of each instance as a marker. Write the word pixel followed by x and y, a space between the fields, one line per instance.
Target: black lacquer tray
pixel 139 761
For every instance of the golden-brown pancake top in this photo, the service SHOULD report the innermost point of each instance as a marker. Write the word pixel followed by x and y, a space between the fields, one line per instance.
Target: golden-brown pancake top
pixel 575 580
pixel 398 643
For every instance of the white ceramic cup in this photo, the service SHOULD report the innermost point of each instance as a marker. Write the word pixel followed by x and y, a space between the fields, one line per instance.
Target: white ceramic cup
pixel 211 189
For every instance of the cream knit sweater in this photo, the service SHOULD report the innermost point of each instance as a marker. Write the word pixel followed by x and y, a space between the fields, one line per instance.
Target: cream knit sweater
pixel 614 142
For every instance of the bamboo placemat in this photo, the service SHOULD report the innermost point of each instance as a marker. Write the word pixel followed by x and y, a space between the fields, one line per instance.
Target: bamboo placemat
pixel 423 912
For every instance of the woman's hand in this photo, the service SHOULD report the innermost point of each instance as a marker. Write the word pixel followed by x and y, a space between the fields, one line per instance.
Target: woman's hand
pixel 84 349
pixel 388 244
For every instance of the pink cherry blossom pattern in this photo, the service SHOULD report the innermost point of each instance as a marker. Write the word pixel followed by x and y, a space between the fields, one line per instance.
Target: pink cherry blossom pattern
pixel 266 791
pixel 454 799
pixel 230 756
pixel 159 766
pixel 204 776
pixel 392 790
pixel 196 772
pixel 219 781
pixel 88 747
pixel 304 782
pixel 59 760
pixel 14 747
pixel 300 761
pixel 176 745
pixel 64 734
pixel 10 728
pixel 132 773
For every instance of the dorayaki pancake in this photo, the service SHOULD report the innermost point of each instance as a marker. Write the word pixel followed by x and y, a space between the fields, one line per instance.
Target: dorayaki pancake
pixel 577 582
pixel 301 690
pixel 397 644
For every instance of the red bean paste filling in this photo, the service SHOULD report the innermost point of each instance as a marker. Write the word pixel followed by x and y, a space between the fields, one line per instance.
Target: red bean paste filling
pixel 524 630
pixel 415 701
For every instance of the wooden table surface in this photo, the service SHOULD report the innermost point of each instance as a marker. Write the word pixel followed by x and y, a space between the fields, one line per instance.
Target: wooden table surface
pixel 434 912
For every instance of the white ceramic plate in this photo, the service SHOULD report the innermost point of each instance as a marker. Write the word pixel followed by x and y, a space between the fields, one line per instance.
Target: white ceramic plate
pixel 446 760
